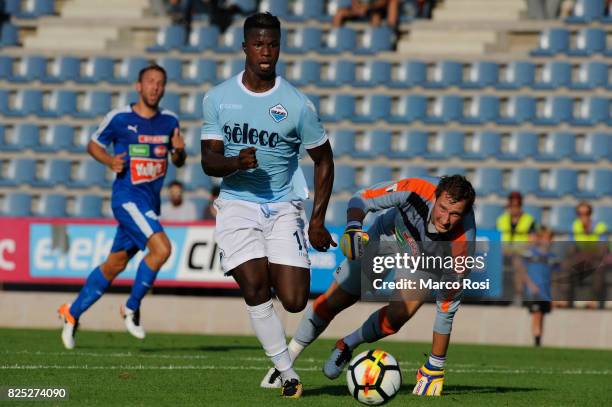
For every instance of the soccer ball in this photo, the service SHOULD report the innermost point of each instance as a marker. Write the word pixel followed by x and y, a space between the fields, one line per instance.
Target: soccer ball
pixel 373 377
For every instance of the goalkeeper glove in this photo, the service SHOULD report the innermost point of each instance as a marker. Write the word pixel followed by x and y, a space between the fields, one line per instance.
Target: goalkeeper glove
pixel 353 240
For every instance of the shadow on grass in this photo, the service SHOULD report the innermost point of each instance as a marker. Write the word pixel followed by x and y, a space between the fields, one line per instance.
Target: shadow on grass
pixel 332 390
pixel 450 390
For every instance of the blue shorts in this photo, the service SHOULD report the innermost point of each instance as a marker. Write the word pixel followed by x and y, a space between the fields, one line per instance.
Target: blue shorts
pixel 137 223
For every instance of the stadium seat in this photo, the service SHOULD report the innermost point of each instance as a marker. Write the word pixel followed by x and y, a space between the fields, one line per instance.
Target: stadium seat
pixel 36 8
pixel 9 35
pixel 331 74
pixel 88 206
pixel 279 7
pixel 553 41
pixel 535 211
pixel 25 136
pixel 371 108
pixel 375 143
pixel 79 143
pixel 57 137
pixel 525 180
pixel 230 41
pixel 54 172
pixel 306 9
pixel 408 74
pixel 308 170
pixel 192 141
pixel 450 170
pixel 171 101
pixel 486 215
pixel 372 73
pixel 408 109
pixel 194 178
pixel 201 204
pixel 518 74
pixel 521 144
pixel 308 72
pixel 302 40
pixel 171 174
pixel 344 179
pixel 61 103
pixel 192 108
pixel 169 38
pixel 20 171
pixel 560 182
pixel 445 74
pixel 480 75
pixel 603 214
pixel 96 103
pixel 336 213
pixel 557 146
pixel 90 173
pixel 6 67
pixel 337 108
pixel 591 75
pixel 555 74
pixel 128 70
pixel 586 11
pixel 561 218
pixel 202 39
pixel 97 69
pixel 488 180
pixel 199 71
pixel 518 110
pixel 30 68
pixel 126 98
pixel 411 143
pixel 555 110
pixel 27 102
pixel 482 109
pixel 597 184
pixel 373 40
pixel 373 175
pixel 446 145
pixel 17 204
pixel 339 40
pixel 173 67
pixel 342 142
pixel 589 41
pixel 62 69
pixel 413 171
pixel 596 146
pixel 483 144
pixel 591 111
pixel 445 109
pixel 52 206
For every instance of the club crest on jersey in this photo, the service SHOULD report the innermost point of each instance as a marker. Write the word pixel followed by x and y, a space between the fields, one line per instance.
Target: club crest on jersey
pixel 278 113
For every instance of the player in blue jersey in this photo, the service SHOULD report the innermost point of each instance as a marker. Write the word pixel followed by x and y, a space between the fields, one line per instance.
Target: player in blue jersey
pixel 254 125
pixel 412 212
pixel 141 134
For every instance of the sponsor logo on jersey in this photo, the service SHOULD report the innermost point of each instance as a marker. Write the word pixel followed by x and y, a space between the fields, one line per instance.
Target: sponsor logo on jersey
pixel 160 151
pixel 230 106
pixel 153 139
pixel 133 128
pixel 139 150
pixel 243 134
pixel 278 113
pixel 147 169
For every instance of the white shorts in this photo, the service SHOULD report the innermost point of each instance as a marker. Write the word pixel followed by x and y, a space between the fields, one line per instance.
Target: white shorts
pixel 247 230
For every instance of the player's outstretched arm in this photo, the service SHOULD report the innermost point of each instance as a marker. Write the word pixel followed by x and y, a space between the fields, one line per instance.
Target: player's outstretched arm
pixel 115 163
pixel 178 148
pixel 215 164
pixel 323 159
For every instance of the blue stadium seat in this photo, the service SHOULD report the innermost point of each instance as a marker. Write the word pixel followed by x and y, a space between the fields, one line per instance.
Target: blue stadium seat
pixel 374 40
pixel 192 109
pixel 445 109
pixel 586 11
pixel 96 103
pixel 194 178
pixel 445 74
pixel 590 41
pixel 126 97
pixel 57 137
pixel 487 181
pixel 36 8
pixel 6 67
pixel 308 71
pixel 483 145
pixel 450 170
pixel 591 111
pixel 26 136
pixel 308 170
pixel 342 142
pixel 518 74
pixel 12 7
pixel 339 40
pixel 61 103
pixel 90 173
pixel 596 146
pixel 555 110
pixel 9 35
pixel 192 141
pixel 535 211
pixel 27 102
pixel 230 68
pixel 446 145
pixel 171 174
pixel 173 67
pixel 409 74
pixel 202 39
pixel 561 218
pixel 413 171
pixel 31 68
pixel 555 74
pixel 409 109
pixel 373 73
pixel 199 71
pixel 52 206
pixel 486 215
pixel 20 171
pixel 553 41
pixel 280 8
pixel 375 143
pixel 172 102
pixel 560 182
pixel 336 213
pixel 302 40
pixel 97 69
pixel 62 69
pixel 373 175
pixel 55 172
pixel 480 75
pixel 331 74
pixel 591 75
pixel 519 109
pixel 522 144
pixel 128 70
pixel 603 214
pixel 231 40
pixel 597 184
pixel 88 206
pixel 340 107
pixel 411 143
pixel 482 109
pixel 372 108
pixel 169 38
pixel 79 143
pixel 344 179
pixel 17 204
pixel 306 9
pixel 525 180
pixel 557 146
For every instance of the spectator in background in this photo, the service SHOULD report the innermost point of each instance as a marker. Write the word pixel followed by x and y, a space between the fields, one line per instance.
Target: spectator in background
pixel 567 8
pixel 4 17
pixel 177 208
pixel 543 9
pixel 210 212
pixel 375 10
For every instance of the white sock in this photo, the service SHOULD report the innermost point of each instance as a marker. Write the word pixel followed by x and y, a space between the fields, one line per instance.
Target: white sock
pixel 271 335
pixel 354 339
pixel 437 361
pixel 295 349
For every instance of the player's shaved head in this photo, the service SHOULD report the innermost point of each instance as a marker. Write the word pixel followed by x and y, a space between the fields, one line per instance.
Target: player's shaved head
pixel 261 21
pixel 458 189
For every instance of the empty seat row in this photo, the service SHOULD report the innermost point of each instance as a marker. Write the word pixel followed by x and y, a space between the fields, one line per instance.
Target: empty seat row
pixel 589 41
pixel 587 11
pixel 29 8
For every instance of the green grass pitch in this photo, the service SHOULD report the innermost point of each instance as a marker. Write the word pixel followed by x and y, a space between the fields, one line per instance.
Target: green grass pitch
pixel 179 370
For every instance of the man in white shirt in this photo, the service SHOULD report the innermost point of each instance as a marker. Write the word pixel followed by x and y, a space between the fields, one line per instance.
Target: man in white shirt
pixel 177 208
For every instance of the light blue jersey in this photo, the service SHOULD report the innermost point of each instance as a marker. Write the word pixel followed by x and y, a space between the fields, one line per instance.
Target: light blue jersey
pixel 276 122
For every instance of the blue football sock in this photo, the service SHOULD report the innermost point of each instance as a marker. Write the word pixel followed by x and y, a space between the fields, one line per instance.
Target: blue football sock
pixel 93 289
pixel 142 283
pixel 435 362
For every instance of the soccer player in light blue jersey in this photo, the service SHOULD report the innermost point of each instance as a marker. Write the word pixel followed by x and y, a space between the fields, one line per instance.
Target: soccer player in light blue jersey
pixel 254 125
pixel 142 134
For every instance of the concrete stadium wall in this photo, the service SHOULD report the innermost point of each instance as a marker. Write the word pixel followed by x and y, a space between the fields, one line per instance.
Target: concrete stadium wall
pixel 220 315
